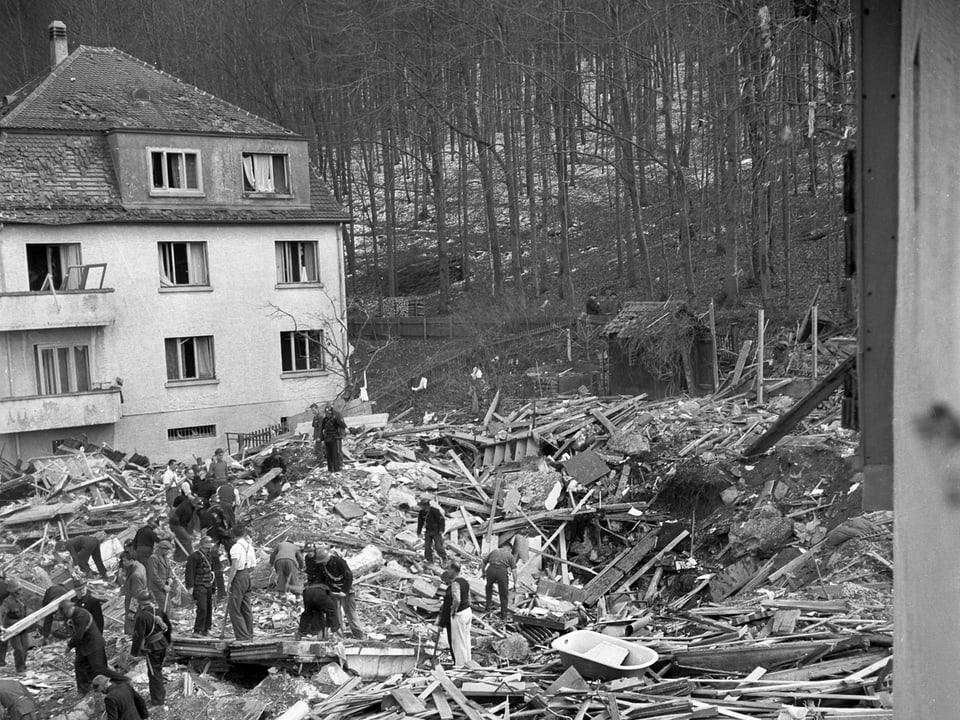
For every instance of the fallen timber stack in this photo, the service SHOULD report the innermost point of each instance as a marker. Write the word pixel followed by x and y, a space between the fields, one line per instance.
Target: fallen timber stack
pixel 764 604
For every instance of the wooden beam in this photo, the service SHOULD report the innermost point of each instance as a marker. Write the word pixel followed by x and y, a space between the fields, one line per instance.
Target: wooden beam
pixel 49 609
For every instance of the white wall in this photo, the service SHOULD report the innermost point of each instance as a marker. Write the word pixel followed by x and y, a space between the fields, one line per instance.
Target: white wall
pixel 249 391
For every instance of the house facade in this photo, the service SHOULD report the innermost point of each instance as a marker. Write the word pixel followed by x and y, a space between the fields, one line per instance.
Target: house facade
pixel 170 265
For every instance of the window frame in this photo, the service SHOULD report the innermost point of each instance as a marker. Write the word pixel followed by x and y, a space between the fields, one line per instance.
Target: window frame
pixel 288 351
pixel 68 255
pixel 254 193
pixel 173 285
pixel 167 190
pixel 180 379
pixel 285 266
pixel 72 371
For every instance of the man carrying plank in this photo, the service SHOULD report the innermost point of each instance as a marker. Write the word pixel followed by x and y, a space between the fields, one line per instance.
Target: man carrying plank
pixel 87 641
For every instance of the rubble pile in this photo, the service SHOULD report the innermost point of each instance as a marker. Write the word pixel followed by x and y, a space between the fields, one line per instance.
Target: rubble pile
pixel 759 585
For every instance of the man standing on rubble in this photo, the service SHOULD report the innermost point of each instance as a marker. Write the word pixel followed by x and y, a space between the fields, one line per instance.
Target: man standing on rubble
pixel 171 482
pixel 496 565
pixel 146 539
pixel 159 578
pixel 332 429
pixel 134 582
pixel 182 521
pixel 316 422
pixel 203 573
pixel 81 549
pixel 333 572
pixel 151 637
pixel 243 559
pixel 456 615
pixel 288 562
pixel 432 521
pixel 218 467
pixel 91 654
pixel 13 609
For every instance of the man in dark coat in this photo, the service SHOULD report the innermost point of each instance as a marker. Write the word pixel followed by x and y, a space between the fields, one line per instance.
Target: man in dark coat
pixel 159 574
pixel 182 522
pixel 151 637
pixel 16 701
pixel 89 602
pixel 87 641
pixel 49 595
pixel 332 430
pixel 316 422
pixel 145 540
pixel 203 573
pixel 120 700
pixel 81 549
pixel 433 521
pixel 333 572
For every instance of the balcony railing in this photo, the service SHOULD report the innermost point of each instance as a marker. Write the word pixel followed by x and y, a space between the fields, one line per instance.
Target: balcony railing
pixel 63 308
pixel 46 412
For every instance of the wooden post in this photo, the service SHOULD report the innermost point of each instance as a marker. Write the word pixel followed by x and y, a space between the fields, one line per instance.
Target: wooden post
pixel 816 343
pixel 424 326
pixel 569 346
pixel 713 346
pixel 760 334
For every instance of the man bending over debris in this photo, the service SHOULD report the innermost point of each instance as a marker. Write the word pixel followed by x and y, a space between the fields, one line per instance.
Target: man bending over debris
pixel 91 654
pixel 151 637
pixel 182 522
pixel 496 565
pixel 49 595
pixel 243 559
pixel 204 572
pixel 288 561
pixel 433 521
pixel 145 540
pixel 17 702
pixel 81 549
pixel 332 570
pixel 121 701
pixel 456 615
pixel 319 612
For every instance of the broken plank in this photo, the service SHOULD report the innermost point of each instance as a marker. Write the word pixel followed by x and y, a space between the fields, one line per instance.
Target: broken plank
pixel 620 566
pixel 405 698
pixel 654 560
pixel 443 705
pixel 470 709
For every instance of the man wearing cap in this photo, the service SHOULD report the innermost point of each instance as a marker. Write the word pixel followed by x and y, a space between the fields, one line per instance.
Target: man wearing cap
pixel 151 637
pixel 88 601
pixel 120 700
pixel 135 581
pixel 159 578
pixel 333 572
pixel 182 520
pixel 455 614
pixel 332 430
pixel 91 654
pixel 288 561
pixel 146 539
pixel 204 572
pixel 433 521
pixel 218 467
pixel 243 558
pixel 13 609
pixel 81 549
pixel 16 701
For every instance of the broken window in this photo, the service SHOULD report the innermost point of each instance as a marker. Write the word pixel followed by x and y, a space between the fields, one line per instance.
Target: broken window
pixel 62 369
pixel 183 263
pixel 297 262
pixel 265 173
pixel 175 170
pixel 49 264
pixel 301 350
pixel 190 358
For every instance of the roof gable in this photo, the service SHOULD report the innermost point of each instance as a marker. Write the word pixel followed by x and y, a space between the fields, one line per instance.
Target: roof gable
pixel 96 89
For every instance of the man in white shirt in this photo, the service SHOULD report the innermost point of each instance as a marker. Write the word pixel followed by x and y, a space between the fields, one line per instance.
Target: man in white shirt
pixel 171 482
pixel 243 558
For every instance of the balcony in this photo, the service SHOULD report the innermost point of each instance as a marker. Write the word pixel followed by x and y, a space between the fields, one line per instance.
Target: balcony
pixel 46 412
pixel 63 308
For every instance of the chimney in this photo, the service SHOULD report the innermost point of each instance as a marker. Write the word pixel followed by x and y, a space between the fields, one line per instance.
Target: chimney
pixel 58 42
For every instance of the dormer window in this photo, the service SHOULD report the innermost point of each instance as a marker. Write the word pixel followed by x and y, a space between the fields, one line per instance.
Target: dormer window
pixel 265 174
pixel 175 171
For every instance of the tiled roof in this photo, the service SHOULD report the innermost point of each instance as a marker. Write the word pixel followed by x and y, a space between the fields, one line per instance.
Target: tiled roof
pixel 56 167
pixel 103 88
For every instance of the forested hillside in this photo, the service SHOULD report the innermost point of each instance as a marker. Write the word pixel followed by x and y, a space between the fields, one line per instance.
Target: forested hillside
pixel 532 150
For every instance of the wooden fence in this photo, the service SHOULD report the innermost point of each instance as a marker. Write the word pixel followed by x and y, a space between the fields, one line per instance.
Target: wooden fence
pixel 255 439
pixel 443 327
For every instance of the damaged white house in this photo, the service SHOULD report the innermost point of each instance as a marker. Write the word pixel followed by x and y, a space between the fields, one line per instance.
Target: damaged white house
pixel 148 233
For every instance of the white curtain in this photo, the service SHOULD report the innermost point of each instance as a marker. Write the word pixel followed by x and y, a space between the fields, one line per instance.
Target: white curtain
pixel 70 255
pixel 258 171
pixel 198 264
pixel 204 351
pixel 248 173
pixel 166 264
